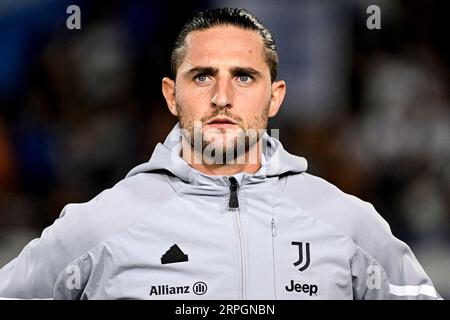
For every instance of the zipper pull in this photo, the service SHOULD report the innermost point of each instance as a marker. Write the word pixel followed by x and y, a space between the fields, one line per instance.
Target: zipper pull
pixel 273 227
pixel 234 202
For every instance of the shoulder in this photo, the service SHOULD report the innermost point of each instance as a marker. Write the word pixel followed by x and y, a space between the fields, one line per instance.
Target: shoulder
pixel 83 226
pixel 348 214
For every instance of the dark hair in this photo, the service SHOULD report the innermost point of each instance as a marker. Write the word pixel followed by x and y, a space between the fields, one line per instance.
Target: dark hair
pixel 225 16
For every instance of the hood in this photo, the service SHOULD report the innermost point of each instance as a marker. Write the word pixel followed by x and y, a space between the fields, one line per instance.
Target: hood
pixel 275 161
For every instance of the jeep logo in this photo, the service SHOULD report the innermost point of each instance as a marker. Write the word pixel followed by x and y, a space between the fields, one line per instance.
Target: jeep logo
pixel 305 288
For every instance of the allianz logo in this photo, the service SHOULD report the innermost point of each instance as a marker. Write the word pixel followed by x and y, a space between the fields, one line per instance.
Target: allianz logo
pixel 199 288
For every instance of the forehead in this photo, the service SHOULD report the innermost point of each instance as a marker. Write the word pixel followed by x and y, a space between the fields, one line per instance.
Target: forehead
pixel 220 45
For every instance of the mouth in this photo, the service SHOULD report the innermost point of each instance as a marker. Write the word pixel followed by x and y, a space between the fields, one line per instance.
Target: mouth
pixel 221 122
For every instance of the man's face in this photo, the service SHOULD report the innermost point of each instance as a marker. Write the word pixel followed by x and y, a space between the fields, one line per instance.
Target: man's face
pixel 224 82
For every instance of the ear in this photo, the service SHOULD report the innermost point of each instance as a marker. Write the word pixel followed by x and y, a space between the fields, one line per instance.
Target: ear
pixel 168 90
pixel 278 92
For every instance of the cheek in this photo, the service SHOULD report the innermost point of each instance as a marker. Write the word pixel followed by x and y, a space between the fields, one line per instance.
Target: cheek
pixel 254 105
pixel 256 96
pixel 194 103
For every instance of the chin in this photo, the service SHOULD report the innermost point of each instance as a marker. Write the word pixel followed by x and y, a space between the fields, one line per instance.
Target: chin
pixel 221 146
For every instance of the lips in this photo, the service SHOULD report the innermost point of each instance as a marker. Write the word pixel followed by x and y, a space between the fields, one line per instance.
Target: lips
pixel 221 121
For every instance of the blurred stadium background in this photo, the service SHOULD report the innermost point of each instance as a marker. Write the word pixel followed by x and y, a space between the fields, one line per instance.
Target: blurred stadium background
pixel 369 109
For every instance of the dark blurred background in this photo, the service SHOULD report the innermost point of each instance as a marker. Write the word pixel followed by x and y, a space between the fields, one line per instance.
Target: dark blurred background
pixel 369 109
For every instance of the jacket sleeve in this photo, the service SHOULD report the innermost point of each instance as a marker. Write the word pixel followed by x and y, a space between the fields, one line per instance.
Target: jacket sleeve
pixel 47 268
pixel 33 273
pixel 383 267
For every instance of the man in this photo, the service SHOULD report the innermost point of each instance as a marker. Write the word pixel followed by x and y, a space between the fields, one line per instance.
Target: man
pixel 221 210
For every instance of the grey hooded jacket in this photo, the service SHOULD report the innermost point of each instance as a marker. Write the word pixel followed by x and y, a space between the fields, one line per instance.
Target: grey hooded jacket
pixel 167 231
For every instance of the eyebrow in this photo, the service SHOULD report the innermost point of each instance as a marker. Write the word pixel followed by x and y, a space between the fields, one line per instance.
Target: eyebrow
pixel 234 71
pixel 245 70
pixel 203 70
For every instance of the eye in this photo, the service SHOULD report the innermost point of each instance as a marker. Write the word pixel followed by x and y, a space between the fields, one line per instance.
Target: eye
pixel 201 78
pixel 244 78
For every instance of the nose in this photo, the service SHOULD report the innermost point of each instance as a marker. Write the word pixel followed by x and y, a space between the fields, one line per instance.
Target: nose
pixel 222 94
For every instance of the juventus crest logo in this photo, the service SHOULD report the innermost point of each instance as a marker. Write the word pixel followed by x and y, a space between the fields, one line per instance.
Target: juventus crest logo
pixel 303 255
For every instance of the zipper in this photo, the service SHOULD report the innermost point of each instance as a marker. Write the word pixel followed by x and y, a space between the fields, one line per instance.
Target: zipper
pixel 234 201
pixel 233 206
pixel 272 225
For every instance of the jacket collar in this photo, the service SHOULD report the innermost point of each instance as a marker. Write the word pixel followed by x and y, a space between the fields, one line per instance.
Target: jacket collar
pixel 166 156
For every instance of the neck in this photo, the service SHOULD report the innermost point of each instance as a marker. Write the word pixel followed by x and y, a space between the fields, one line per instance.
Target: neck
pixel 248 162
